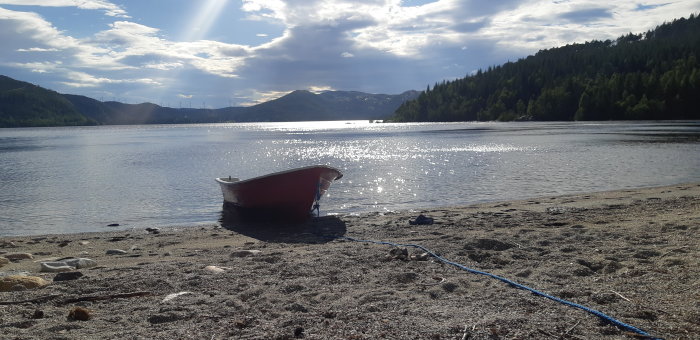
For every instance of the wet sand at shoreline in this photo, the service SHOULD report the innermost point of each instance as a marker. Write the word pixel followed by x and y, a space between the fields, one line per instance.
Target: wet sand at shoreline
pixel 631 254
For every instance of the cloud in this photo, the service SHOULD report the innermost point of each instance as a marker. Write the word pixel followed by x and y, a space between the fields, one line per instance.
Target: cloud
pixel 109 8
pixel 641 7
pixel 586 15
pixel 320 89
pixel 29 30
pixel 81 79
pixel 37 49
pixel 380 46
pixel 38 67
pixel 250 98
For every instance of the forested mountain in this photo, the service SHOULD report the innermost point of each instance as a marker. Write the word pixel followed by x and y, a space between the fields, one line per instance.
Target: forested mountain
pixel 24 104
pixel 330 105
pixel 655 75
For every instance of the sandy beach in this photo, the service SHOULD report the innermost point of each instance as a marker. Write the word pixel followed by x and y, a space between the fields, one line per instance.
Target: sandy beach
pixel 632 254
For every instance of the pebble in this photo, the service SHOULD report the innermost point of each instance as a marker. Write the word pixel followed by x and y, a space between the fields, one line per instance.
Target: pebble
pixel 420 257
pixel 244 253
pixel 67 276
pixel 214 269
pixel 79 313
pixel 115 252
pixel 55 267
pixel 81 262
pixel 174 295
pixel 20 282
pixel 422 220
pixel 397 253
pixel 18 256
pixel 3 261
pixel 170 316
pixel 38 314
pixel 67 265
pixel 153 230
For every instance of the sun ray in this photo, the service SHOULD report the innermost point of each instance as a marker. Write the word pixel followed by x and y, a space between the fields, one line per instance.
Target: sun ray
pixel 205 18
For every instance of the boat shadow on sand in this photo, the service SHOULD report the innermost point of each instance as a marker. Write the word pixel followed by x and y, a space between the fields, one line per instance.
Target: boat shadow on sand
pixel 264 227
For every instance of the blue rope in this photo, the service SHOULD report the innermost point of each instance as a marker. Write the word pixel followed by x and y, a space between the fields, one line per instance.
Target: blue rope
pixel 515 285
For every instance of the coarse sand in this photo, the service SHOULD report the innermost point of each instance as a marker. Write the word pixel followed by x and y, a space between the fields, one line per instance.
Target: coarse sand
pixel 631 254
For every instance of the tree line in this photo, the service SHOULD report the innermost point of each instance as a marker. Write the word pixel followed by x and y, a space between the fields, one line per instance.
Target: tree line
pixel 649 76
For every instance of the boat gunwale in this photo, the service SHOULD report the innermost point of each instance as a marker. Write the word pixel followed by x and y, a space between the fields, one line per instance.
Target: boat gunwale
pixel 223 180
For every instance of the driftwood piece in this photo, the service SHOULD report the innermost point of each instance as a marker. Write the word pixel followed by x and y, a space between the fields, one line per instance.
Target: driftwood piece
pixel 106 297
pixel 42 299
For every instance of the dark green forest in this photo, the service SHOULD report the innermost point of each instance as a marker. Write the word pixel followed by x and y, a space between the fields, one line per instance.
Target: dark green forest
pixel 24 104
pixel 649 76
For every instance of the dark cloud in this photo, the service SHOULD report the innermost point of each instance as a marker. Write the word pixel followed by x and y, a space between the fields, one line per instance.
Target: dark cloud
pixel 641 7
pixel 586 15
pixel 469 27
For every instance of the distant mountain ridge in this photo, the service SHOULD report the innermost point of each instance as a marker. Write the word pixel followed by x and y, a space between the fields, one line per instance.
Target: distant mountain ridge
pixel 24 104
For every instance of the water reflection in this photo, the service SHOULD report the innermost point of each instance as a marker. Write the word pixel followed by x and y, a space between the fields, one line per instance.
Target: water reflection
pixel 265 227
pixel 81 179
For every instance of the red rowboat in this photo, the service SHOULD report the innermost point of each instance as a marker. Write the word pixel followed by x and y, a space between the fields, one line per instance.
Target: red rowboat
pixel 291 194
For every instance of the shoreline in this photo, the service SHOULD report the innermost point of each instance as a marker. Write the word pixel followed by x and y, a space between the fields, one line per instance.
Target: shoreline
pixel 633 254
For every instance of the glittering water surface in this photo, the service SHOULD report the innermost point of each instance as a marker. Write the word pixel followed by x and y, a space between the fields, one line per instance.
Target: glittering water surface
pixel 64 180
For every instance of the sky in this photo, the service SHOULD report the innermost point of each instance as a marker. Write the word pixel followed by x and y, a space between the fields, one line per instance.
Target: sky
pixel 219 53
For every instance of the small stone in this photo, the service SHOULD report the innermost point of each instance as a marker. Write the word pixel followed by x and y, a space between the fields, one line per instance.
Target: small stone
pixel 245 253
pixel 83 243
pixel 79 313
pixel 66 276
pixel 3 261
pixel 605 298
pixel 55 267
pixel 214 269
pixel 115 252
pixel 422 220
pixel 169 317
pixel 38 314
pixel 13 282
pixel 299 332
pixel 81 262
pixel 18 256
pixel 420 257
pixel 174 295
pixel 153 230
pixel 397 253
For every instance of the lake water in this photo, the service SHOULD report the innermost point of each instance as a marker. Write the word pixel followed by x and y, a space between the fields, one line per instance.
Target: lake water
pixel 75 179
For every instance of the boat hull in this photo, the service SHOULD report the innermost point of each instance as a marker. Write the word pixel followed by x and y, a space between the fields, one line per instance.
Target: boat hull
pixel 285 195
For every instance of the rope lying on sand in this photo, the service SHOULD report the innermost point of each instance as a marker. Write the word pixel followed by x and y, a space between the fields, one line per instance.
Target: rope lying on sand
pixel 514 284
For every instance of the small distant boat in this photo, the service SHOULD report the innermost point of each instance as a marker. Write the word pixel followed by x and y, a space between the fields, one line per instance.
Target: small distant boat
pixel 291 194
